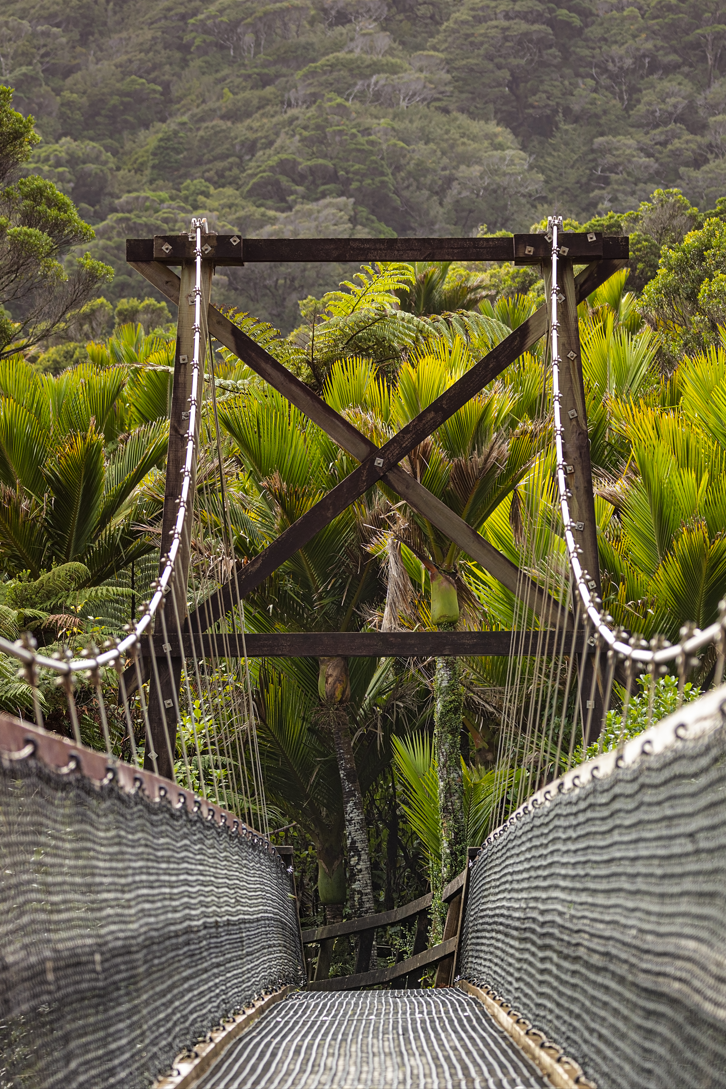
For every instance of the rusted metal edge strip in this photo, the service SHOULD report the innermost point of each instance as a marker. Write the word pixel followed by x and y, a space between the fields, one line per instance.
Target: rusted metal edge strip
pixel 20 739
pixel 560 1071
pixel 385 975
pixel 188 1070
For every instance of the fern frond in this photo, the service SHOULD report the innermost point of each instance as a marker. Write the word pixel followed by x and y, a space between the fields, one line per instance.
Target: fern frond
pixel 376 287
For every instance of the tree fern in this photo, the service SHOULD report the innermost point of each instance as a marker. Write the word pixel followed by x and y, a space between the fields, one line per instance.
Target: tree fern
pixel 374 287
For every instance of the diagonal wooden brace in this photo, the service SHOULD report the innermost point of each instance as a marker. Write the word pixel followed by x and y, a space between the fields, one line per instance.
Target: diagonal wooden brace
pixel 368 473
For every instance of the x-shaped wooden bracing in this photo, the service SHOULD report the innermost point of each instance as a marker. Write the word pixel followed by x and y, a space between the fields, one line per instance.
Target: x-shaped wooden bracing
pixel 376 463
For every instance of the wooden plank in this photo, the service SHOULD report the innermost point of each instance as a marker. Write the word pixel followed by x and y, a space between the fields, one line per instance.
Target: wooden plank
pixel 616 247
pixel 367 922
pixel 360 644
pixel 574 423
pixel 577 455
pixel 530 249
pixel 596 274
pixel 377 249
pixel 228 249
pixel 451 930
pixel 449 891
pixel 471 856
pixel 177 249
pixel 456 892
pixel 385 975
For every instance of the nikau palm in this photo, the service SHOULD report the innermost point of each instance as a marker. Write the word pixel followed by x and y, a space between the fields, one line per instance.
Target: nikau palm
pixel 69 474
pixel 471 463
pixel 289 464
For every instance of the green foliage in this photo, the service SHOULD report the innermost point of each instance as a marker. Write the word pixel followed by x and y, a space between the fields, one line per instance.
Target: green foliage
pixel 16 695
pixel 686 301
pixel 663 220
pixel 362 319
pixel 148 313
pixel 413 759
pixel 70 482
pixel 17 136
pixel 644 709
pixel 38 225
pixel 297 120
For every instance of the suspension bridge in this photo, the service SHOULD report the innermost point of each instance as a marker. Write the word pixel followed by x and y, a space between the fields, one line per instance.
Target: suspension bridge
pixel 150 934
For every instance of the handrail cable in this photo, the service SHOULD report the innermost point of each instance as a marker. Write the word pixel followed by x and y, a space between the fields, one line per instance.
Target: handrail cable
pixel 597 617
pixel 26 654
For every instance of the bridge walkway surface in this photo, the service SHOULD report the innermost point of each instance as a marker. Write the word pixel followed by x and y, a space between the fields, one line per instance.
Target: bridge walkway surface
pixel 375 1040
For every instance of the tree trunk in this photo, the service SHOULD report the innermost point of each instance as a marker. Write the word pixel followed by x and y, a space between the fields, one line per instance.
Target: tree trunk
pixel 331 874
pixel 448 722
pixel 391 848
pixel 448 717
pixel 448 708
pixel 334 688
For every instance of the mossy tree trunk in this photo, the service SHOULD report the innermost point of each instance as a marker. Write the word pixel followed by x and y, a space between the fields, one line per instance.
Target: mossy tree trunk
pixel 448 717
pixel 334 691
pixel 448 713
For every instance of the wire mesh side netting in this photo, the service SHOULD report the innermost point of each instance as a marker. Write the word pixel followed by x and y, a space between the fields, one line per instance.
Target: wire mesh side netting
pixel 133 919
pixel 598 911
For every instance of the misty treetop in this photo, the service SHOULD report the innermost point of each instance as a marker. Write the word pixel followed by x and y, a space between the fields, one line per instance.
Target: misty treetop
pixel 363 117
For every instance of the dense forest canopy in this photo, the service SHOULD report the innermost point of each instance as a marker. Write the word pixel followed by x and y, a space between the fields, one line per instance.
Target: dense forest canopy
pixel 368 117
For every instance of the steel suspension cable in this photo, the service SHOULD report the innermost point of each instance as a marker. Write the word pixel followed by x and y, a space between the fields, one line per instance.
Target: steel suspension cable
pixel 632 652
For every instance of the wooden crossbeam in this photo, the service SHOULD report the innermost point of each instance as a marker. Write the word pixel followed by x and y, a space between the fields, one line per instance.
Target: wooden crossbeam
pixel 363 644
pixel 232 249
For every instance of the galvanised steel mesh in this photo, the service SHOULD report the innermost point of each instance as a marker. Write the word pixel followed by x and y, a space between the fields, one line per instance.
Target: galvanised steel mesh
pixel 128 928
pixel 426 1039
pixel 600 914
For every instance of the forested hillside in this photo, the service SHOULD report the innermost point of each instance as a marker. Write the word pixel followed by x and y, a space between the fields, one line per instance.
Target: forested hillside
pixel 339 117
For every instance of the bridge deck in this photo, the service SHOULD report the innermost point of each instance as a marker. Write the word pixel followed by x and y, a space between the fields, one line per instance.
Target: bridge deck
pixel 375 1040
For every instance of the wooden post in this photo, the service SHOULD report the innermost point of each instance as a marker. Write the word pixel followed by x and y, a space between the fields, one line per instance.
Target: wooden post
pixel 420 941
pixel 454 923
pixel 162 702
pixel 325 958
pixel 287 854
pixel 451 930
pixel 579 480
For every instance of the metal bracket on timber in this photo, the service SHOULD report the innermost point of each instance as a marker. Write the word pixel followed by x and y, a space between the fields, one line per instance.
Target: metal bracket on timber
pixel 152 258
